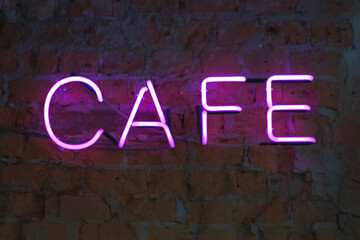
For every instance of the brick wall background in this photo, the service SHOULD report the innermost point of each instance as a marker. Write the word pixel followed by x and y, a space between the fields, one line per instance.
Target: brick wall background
pixel 190 192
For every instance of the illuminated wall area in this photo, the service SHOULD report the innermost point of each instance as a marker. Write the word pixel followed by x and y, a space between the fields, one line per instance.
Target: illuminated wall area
pixel 180 120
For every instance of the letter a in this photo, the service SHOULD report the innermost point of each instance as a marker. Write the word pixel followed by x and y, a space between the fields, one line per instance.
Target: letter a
pixel 131 123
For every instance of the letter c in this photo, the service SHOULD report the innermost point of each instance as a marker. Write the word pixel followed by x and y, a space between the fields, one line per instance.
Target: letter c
pixel 47 106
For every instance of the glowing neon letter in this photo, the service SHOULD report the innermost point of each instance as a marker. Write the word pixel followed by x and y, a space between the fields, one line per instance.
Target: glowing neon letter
pixel 207 108
pixel 131 123
pixel 285 108
pixel 47 119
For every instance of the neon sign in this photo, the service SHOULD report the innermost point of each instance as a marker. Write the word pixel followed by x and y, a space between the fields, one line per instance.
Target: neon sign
pixel 47 108
pixel 162 123
pixel 213 109
pixel 206 109
pixel 273 108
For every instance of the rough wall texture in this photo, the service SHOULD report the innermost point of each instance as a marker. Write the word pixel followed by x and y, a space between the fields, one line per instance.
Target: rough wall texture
pixel 193 191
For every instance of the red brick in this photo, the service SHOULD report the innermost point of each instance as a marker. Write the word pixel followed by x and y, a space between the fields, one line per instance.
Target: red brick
pixel 271 6
pixel 10 34
pixel 144 210
pixel 355 227
pixel 51 206
pixel 53 34
pixel 116 231
pixel 248 183
pixel 196 31
pixel 4 200
pixel 277 211
pixel 121 62
pixel 284 33
pixel 284 233
pixel 7 60
pixel 330 234
pixel 166 233
pixel 216 156
pixel 236 32
pixel 10 231
pixel 247 212
pixel 216 126
pixel 332 34
pixel 24 175
pixel 67 179
pixel 217 234
pixel 353 165
pixel 96 9
pixel 347 132
pixel 11 144
pixel 211 6
pixel 89 232
pixel 208 212
pixel 40 63
pixel 177 93
pixel 266 62
pixel 171 61
pixel 331 7
pixel 120 183
pixel 80 63
pixel 307 212
pixel 220 62
pixel 306 125
pixel 106 232
pixel 176 156
pixel 15 117
pixel 315 63
pixel 92 155
pixel 329 93
pixel 246 234
pixel 190 120
pixel 309 93
pixel 167 182
pixel 72 207
pixel 25 205
pixel 25 91
pixel 159 33
pixel 44 231
pixel 117 91
pixel 208 184
pixel 286 158
pixel 264 157
pixel 46 149
pixel 156 6
pixel 349 194
pixel 230 93
pixel 251 122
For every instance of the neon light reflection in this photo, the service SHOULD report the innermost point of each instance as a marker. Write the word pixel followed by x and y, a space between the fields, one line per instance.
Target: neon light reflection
pixel 131 123
pixel 207 108
pixel 285 108
pixel 47 107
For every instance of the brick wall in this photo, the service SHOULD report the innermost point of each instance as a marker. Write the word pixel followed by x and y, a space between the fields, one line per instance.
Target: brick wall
pixel 249 192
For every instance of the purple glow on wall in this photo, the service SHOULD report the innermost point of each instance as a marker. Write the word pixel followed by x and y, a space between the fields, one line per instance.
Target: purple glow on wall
pixel 285 108
pixel 208 108
pixel 282 78
pixel 130 123
pixel 47 108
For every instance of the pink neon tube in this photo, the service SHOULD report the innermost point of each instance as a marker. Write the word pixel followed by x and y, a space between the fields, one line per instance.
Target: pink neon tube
pixel 282 78
pixel 219 108
pixel 285 108
pixel 204 131
pixel 130 123
pixel 286 139
pixel 208 108
pixel 47 107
